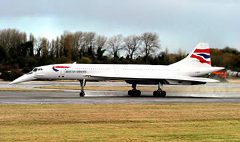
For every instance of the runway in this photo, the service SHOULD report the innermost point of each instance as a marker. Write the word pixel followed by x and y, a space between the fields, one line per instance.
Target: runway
pixel 109 97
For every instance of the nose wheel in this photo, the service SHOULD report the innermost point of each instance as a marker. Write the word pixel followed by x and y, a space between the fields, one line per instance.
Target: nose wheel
pixel 82 85
pixel 82 94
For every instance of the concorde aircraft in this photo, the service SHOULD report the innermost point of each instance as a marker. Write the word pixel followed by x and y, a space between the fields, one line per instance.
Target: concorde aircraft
pixel 188 71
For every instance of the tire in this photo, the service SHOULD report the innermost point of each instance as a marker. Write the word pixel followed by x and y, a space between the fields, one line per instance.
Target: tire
pixel 138 93
pixel 159 94
pixel 156 94
pixel 82 94
pixel 130 93
pixel 163 94
pixel 134 93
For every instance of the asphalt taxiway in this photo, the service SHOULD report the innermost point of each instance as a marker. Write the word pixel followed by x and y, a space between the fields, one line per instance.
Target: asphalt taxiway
pixel 109 97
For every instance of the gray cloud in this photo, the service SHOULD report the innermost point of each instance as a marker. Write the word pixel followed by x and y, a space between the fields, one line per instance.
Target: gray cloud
pixel 185 21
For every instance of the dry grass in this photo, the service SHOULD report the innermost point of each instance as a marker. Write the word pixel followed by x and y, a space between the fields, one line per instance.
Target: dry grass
pixel 166 122
pixel 234 80
pixel 14 89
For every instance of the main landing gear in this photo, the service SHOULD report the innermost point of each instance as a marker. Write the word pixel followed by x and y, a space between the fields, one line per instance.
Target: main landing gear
pixel 82 84
pixel 134 92
pixel 159 92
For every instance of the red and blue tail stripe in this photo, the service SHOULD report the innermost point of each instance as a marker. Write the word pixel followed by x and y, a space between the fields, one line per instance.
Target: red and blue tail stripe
pixel 202 55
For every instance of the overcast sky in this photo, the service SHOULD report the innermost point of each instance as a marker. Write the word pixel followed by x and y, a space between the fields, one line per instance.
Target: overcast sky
pixel 179 23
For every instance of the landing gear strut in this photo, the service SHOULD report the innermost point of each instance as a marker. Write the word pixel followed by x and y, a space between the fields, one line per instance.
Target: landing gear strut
pixel 134 92
pixel 82 84
pixel 159 92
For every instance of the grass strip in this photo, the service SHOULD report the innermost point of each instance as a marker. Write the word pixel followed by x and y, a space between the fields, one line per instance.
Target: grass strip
pixel 138 122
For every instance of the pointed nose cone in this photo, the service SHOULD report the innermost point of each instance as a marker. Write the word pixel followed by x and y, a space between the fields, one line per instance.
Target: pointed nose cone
pixel 25 77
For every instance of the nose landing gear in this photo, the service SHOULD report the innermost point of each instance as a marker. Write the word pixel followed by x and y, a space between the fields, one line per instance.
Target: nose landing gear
pixel 82 84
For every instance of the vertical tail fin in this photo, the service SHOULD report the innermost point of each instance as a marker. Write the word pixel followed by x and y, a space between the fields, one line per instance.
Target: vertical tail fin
pixel 199 57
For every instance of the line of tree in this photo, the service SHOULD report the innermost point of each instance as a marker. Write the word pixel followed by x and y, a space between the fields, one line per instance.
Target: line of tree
pixel 21 51
pixel 226 57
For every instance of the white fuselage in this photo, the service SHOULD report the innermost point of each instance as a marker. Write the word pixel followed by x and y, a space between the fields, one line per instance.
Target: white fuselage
pixel 87 71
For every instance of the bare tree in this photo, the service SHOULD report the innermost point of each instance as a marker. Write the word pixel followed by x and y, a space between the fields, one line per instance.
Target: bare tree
pixel 115 45
pixel 44 47
pixel 32 40
pixel 89 38
pixel 132 44
pixel 57 48
pixel 68 46
pixel 11 39
pixel 180 54
pixel 100 43
pixel 77 44
pixel 150 44
pixel 53 49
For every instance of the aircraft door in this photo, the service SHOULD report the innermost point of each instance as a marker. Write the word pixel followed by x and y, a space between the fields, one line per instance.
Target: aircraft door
pixel 62 72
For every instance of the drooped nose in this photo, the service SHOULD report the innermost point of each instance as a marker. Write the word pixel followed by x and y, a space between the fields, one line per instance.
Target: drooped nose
pixel 24 78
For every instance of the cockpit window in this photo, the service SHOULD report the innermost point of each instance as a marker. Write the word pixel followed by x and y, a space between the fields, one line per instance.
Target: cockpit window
pixel 35 70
